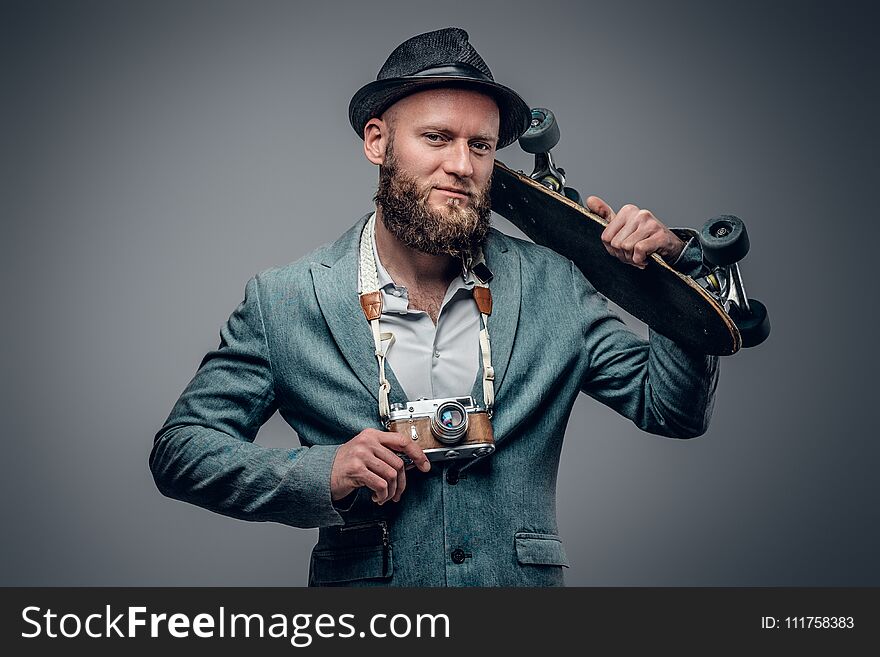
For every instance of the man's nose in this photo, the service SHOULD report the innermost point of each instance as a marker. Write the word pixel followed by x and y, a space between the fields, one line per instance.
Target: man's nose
pixel 458 159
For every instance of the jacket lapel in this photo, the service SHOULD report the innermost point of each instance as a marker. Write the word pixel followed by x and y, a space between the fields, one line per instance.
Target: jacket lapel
pixel 335 277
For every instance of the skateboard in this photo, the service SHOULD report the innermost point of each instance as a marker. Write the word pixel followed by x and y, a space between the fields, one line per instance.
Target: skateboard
pixel 709 313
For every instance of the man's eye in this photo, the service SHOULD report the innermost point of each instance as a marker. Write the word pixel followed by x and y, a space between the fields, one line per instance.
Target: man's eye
pixel 433 136
pixel 481 146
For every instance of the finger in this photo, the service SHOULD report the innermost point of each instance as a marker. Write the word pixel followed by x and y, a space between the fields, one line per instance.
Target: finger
pixel 399 443
pixel 392 490
pixel 386 472
pixel 381 468
pixel 617 223
pixel 617 245
pixel 376 484
pixel 650 236
pixel 597 206
pixel 401 485
pixel 640 244
pixel 390 457
pixel 647 247
pixel 623 239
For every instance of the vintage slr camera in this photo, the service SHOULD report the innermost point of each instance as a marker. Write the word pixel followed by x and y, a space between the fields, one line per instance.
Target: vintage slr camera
pixel 446 429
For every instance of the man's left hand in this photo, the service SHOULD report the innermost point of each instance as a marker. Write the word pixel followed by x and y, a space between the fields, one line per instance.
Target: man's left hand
pixel 633 234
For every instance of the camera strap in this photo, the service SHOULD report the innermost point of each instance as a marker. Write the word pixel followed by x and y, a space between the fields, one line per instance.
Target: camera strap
pixel 371 303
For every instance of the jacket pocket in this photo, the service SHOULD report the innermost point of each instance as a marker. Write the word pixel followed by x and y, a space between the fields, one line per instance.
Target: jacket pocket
pixel 351 565
pixel 540 549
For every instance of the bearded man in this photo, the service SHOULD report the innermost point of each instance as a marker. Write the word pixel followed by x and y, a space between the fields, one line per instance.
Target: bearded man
pixel 422 300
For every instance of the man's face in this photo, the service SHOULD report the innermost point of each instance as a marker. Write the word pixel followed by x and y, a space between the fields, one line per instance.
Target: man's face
pixel 434 180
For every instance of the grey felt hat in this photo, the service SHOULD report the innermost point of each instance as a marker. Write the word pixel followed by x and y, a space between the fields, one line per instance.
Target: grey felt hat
pixel 443 58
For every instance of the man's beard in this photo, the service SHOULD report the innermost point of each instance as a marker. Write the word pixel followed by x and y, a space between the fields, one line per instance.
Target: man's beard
pixel 453 230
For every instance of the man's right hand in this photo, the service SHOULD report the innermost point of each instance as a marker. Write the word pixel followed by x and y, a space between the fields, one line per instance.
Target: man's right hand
pixel 369 459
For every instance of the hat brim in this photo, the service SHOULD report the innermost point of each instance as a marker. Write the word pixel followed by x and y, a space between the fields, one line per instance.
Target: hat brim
pixel 374 98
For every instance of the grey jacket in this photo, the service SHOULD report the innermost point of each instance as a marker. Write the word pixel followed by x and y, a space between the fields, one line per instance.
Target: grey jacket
pixel 299 344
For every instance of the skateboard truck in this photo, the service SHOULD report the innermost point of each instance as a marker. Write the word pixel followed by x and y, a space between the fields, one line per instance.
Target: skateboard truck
pixel 725 242
pixel 539 139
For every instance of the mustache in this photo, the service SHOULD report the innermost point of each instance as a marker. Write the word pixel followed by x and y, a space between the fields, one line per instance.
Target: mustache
pixel 455 188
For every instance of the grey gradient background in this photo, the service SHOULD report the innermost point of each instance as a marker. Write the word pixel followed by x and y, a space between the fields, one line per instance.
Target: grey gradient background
pixel 156 155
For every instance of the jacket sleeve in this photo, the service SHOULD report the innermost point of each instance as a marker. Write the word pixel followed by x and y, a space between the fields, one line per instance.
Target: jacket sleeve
pixel 662 387
pixel 204 453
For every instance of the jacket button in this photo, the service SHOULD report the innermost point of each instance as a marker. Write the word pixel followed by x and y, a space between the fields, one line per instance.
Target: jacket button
pixel 458 556
pixel 452 476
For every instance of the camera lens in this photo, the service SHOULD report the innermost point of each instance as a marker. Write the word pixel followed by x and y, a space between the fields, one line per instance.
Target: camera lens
pixel 450 422
pixel 451 418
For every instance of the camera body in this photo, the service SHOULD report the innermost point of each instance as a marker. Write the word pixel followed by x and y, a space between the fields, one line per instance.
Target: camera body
pixel 448 429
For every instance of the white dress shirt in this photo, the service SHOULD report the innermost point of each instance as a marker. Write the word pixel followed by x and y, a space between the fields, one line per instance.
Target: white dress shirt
pixel 431 361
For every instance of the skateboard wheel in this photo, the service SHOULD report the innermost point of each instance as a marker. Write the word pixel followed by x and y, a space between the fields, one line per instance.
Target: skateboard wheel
pixel 724 240
pixel 754 327
pixel 543 133
pixel 574 195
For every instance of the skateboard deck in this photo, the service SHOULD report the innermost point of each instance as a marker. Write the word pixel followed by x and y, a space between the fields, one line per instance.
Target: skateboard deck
pixel 670 303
